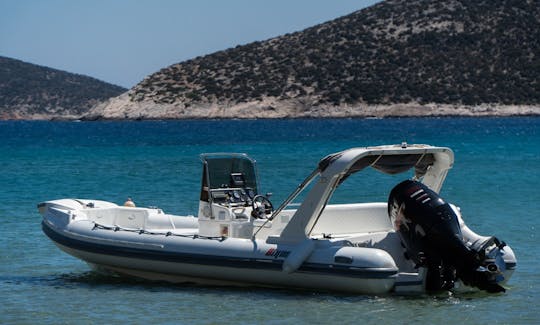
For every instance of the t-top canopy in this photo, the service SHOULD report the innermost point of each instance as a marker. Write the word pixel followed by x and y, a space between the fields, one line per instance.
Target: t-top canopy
pixel 431 166
pixel 389 159
pixel 392 164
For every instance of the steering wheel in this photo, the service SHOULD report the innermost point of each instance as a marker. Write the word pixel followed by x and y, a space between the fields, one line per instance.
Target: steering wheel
pixel 262 207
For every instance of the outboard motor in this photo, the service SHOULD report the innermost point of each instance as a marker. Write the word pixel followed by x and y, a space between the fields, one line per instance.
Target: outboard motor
pixel 430 232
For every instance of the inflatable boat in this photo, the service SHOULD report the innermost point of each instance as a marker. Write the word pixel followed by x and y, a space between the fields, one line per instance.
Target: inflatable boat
pixel 413 242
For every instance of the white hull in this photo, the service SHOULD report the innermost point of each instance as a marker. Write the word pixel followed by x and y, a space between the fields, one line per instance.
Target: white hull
pixel 263 271
pixel 228 276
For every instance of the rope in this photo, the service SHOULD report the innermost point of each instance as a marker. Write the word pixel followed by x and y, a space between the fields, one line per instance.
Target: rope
pixel 146 232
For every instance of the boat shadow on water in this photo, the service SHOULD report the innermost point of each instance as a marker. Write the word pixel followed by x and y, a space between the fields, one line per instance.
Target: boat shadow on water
pixel 70 280
pixel 110 281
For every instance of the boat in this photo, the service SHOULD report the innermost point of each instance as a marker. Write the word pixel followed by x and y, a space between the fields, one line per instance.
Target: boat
pixel 415 242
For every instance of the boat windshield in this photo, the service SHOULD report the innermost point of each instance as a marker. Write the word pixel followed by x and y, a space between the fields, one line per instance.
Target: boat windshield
pixel 229 171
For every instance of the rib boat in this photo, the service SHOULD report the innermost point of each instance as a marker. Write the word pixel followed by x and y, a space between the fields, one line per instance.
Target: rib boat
pixel 414 242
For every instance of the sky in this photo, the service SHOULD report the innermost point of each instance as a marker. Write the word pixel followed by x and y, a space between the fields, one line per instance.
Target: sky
pixel 122 41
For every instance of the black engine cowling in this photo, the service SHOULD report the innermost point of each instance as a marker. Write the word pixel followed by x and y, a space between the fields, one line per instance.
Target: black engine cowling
pixel 430 232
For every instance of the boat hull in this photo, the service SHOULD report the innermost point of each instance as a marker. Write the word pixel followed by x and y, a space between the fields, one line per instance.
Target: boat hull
pixel 180 267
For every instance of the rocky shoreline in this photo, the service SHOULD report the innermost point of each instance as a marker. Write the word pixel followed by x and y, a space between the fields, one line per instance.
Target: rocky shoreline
pixel 122 107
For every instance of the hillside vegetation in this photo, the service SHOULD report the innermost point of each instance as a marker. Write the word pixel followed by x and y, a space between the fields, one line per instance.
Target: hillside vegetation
pixel 32 91
pixel 460 52
pixel 396 58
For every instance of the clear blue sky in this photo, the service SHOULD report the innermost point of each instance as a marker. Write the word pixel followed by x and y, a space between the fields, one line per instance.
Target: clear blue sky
pixel 122 41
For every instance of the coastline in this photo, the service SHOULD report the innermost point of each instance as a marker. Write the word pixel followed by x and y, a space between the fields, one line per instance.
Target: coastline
pixel 121 108
pixel 368 111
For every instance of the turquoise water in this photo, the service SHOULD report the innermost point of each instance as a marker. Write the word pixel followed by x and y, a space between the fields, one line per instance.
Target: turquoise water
pixel 495 181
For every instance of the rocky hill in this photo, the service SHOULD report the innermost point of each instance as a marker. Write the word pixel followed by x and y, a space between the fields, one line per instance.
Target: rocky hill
pixel 29 91
pixel 398 57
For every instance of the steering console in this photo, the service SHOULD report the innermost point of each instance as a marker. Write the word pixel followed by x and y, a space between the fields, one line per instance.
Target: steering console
pixel 262 207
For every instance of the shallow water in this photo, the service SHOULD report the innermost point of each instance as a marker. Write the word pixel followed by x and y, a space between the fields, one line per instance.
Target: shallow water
pixel 494 180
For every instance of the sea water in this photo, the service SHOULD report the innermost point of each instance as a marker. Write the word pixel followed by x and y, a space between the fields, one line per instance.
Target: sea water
pixel 495 180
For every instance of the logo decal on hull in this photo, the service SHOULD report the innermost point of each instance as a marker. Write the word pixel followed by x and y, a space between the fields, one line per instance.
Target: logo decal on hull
pixel 277 253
